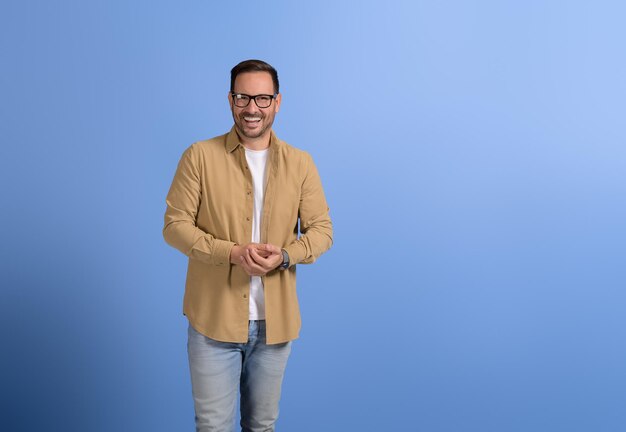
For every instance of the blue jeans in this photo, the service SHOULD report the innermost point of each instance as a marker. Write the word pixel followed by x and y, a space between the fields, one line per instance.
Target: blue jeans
pixel 220 369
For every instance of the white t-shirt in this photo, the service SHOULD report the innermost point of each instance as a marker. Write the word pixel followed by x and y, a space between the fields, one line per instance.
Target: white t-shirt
pixel 257 160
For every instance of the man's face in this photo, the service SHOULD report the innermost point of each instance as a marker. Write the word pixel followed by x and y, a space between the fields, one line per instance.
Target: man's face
pixel 251 121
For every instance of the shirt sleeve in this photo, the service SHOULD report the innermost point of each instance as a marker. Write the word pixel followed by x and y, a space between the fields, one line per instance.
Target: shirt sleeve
pixel 315 225
pixel 183 201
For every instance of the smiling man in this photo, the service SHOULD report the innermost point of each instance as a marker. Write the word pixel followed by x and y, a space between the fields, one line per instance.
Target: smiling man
pixel 234 208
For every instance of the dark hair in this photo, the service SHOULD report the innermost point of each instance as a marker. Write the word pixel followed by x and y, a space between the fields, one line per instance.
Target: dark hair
pixel 253 66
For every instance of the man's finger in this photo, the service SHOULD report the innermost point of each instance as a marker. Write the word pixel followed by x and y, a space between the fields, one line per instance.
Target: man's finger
pixel 250 268
pixel 257 257
pixel 245 266
pixel 260 249
pixel 267 264
pixel 272 248
pixel 254 265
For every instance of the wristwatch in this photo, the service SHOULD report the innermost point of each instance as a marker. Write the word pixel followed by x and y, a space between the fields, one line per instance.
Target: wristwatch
pixel 285 263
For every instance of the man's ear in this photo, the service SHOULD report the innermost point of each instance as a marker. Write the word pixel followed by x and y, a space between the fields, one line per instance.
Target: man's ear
pixel 279 97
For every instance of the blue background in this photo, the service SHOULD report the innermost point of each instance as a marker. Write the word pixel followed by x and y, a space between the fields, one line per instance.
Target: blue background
pixel 473 157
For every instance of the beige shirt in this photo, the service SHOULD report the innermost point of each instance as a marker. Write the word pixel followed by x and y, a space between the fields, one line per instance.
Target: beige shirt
pixel 209 209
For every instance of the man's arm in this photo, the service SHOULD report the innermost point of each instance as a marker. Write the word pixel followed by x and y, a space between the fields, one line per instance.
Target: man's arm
pixel 315 225
pixel 183 201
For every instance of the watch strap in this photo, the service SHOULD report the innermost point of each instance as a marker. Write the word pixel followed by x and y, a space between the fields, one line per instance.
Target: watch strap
pixel 285 263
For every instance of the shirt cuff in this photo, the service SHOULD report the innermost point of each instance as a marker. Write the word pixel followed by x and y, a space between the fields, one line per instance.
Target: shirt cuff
pixel 221 252
pixel 296 253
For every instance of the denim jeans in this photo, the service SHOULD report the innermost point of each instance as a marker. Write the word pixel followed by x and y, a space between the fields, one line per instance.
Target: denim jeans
pixel 220 369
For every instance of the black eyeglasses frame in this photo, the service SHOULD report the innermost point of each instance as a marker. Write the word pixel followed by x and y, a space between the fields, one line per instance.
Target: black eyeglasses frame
pixel 250 97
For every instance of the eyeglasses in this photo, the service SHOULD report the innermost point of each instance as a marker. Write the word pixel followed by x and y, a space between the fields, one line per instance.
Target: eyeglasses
pixel 243 100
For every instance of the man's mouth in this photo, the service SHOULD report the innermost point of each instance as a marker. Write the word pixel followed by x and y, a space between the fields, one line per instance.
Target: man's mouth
pixel 252 120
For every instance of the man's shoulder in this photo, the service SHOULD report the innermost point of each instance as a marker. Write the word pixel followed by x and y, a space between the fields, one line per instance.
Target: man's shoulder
pixel 210 144
pixel 292 152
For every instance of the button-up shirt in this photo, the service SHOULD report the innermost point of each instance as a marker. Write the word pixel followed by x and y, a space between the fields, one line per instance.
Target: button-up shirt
pixel 209 210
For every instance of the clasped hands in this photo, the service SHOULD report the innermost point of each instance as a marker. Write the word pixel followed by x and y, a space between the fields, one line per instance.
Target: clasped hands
pixel 257 259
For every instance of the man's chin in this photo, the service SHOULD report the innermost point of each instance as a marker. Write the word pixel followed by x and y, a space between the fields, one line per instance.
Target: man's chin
pixel 251 134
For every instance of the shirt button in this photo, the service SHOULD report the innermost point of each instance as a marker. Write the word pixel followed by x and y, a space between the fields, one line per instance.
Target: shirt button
pixel 248 219
pixel 249 192
pixel 245 296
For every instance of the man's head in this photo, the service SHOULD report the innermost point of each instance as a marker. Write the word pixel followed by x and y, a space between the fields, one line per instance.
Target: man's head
pixel 254 99
pixel 254 66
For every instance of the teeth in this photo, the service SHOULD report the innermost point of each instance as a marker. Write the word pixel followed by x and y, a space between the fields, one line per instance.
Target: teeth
pixel 251 118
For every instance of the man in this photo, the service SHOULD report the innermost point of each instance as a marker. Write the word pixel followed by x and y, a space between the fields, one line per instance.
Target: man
pixel 234 208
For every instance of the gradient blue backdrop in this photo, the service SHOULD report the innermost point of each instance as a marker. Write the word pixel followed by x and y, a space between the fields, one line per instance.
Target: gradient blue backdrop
pixel 473 155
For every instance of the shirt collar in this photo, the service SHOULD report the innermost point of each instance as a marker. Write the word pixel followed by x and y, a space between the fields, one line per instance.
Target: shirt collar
pixel 232 140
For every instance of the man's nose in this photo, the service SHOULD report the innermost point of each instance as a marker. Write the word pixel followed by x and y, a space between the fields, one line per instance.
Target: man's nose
pixel 252 106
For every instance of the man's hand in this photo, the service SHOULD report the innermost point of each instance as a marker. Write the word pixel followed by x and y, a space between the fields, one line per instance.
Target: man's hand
pixel 240 250
pixel 257 259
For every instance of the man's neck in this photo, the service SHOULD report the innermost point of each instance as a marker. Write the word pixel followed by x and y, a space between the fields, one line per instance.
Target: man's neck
pixel 260 143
